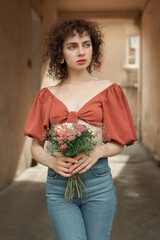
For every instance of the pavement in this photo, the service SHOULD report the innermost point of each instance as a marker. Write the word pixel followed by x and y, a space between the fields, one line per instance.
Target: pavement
pixel 23 209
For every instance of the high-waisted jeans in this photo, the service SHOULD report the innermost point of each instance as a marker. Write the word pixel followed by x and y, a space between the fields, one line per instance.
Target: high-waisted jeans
pixel 87 219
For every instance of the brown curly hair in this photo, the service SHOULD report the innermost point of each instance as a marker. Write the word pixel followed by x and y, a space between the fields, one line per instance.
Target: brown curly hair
pixel 52 46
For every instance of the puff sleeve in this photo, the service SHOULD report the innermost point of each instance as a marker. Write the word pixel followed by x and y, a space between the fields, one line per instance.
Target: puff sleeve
pixel 38 119
pixel 118 123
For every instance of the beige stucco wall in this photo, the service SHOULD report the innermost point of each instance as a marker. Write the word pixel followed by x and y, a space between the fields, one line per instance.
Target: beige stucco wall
pixel 15 32
pixel 16 91
pixel 150 111
pixel 116 31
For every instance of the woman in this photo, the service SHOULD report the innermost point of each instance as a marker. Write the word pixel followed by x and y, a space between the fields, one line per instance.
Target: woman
pixel 73 48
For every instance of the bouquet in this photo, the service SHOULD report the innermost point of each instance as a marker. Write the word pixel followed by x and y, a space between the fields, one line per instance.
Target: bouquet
pixel 71 139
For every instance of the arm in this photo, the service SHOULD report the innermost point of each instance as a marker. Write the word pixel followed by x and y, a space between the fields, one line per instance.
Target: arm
pixel 59 164
pixel 85 162
pixel 109 149
pixel 39 154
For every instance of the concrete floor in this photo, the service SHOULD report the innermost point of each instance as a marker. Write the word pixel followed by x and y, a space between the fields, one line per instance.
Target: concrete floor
pixel 23 210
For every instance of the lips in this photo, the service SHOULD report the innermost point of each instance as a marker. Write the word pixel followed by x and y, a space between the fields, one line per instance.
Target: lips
pixel 81 61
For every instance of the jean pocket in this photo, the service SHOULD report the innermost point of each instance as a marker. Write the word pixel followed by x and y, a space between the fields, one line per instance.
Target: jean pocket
pixel 52 174
pixel 100 172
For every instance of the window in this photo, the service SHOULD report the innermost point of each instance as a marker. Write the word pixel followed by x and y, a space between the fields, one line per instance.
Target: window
pixel 132 52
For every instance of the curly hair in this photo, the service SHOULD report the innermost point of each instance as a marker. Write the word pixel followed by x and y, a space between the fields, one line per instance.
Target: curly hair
pixel 52 47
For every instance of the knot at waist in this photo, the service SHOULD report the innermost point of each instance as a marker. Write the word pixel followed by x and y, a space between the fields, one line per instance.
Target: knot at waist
pixel 72 117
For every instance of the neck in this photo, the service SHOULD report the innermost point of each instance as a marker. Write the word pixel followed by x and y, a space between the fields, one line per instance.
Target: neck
pixel 77 76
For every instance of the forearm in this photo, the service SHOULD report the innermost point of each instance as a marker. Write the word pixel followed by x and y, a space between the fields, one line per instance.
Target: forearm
pixel 109 149
pixel 39 154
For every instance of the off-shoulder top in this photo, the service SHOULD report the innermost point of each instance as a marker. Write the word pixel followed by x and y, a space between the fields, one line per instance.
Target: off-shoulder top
pixel 109 109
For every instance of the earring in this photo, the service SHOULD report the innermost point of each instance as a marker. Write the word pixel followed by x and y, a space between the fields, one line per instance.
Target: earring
pixel 61 61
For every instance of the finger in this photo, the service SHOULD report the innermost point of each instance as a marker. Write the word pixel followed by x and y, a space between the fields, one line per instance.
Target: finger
pixel 71 160
pixel 64 164
pixel 63 169
pixel 65 174
pixel 70 164
pixel 85 169
pixel 76 165
pixel 82 166
pixel 79 156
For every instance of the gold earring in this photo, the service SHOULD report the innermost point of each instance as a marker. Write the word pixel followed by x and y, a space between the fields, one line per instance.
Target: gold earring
pixel 61 61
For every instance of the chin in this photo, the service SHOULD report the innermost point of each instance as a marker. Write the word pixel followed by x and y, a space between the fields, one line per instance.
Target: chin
pixel 84 66
pixel 81 68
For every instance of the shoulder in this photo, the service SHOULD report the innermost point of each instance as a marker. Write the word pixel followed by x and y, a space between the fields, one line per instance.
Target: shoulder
pixel 54 88
pixel 110 90
pixel 43 94
pixel 102 82
pixel 106 84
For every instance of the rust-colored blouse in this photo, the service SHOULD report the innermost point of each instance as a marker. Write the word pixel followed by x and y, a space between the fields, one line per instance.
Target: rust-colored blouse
pixel 109 109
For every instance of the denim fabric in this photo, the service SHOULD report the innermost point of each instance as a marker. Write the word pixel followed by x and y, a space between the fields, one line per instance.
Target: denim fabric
pixel 87 219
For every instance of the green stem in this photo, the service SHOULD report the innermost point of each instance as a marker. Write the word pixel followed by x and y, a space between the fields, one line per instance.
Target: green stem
pixel 74 183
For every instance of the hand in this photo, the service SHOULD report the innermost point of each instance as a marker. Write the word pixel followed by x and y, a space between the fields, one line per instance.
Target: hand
pixel 85 162
pixel 61 165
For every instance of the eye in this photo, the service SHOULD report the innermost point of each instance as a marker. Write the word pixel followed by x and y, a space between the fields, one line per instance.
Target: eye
pixel 87 45
pixel 71 47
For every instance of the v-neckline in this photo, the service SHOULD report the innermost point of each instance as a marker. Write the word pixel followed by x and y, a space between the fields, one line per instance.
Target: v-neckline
pixel 83 104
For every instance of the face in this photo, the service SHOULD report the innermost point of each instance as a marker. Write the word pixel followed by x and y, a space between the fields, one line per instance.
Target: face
pixel 77 51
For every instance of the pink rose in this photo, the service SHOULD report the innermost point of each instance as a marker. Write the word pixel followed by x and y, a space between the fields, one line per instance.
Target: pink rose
pixel 60 140
pixel 78 133
pixel 74 132
pixel 61 133
pixel 63 147
pixel 71 138
pixel 83 129
pixel 56 127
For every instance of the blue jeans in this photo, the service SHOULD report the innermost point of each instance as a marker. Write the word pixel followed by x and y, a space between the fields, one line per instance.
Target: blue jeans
pixel 87 219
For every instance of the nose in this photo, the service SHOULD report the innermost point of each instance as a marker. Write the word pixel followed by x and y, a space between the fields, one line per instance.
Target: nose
pixel 81 50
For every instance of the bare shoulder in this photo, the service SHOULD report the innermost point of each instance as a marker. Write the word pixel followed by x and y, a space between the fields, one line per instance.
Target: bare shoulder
pixel 108 82
pixel 105 83
pixel 53 88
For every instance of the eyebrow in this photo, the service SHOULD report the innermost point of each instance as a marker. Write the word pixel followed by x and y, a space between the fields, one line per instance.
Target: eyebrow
pixel 76 42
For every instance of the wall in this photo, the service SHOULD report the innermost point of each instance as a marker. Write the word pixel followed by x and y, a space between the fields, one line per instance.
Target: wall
pixel 46 11
pixel 16 92
pixel 49 17
pixel 15 31
pixel 116 31
pixel 150 110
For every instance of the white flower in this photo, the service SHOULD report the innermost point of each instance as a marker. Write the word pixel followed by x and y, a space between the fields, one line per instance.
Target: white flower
pixel 69 125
